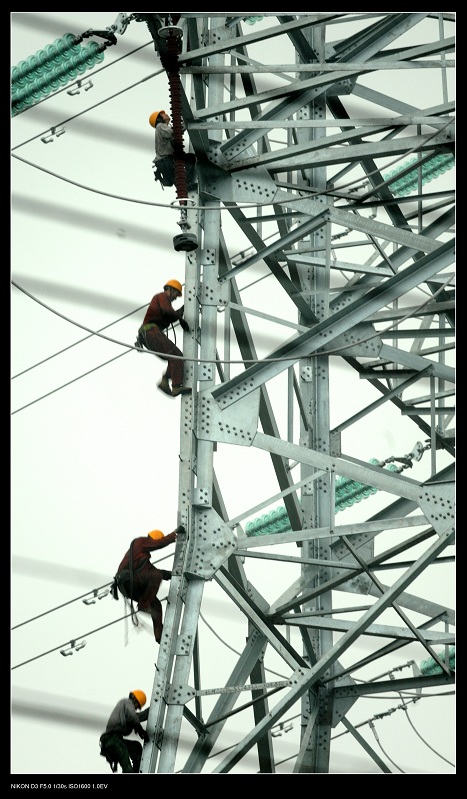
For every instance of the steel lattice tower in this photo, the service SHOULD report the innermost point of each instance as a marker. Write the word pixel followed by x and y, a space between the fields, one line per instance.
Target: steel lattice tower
pixel 298 157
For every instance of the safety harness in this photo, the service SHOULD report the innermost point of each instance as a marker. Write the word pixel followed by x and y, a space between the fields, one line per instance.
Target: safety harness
pixel 141 341
pixel 141 338
pixel 164 171
pixel 124 578
pixel 103 740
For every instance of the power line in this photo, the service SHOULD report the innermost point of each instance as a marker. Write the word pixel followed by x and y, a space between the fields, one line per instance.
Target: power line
pixel 76 599
pixel 309 193
pixel 67 643
pixel 222 640
pixel 69 383
pixel 80 341
pixel 59 607
pixel 76 116
pixel 201 360
pixel 245 360
pixel 169 206
pixel 370 722
pixel 424 741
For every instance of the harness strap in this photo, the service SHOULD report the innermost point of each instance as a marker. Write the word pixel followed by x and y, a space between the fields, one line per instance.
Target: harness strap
pixel 141 339
pixel 124 577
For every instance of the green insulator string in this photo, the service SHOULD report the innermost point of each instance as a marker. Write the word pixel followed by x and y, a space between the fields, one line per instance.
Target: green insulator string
pixel 431 169
pixel 430 666
pixel 44 61
pixel 347 493
pixel 52 67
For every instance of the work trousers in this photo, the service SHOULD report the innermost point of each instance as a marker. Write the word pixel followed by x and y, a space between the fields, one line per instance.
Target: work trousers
pixel 125 752
pixel 166 166
pixel 146 584
pixel 157 341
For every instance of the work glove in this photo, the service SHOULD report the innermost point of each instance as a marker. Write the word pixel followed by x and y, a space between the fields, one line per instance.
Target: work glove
pixel 144 736
pixel 184 324
pixel 166 575
pixel 180 529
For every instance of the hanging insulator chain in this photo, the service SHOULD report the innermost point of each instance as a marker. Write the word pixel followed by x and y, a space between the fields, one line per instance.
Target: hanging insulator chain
pixel 169 61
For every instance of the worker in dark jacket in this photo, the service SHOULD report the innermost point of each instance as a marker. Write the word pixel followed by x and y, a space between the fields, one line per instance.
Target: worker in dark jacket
pixel 139 580
pixel 124 720
pixel 164 147
pixel 159 316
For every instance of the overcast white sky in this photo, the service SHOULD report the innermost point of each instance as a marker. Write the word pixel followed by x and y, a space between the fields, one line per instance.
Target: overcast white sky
pixel 94 445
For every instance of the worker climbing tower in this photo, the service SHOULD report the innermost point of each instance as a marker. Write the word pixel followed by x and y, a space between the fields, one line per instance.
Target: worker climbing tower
pixel 358 319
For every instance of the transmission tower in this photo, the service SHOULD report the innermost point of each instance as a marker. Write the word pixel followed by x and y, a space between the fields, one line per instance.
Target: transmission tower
pixel 324 173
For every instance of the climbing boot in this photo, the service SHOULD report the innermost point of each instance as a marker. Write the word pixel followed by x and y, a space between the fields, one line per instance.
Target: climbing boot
pixel 176 390
pixel 164 386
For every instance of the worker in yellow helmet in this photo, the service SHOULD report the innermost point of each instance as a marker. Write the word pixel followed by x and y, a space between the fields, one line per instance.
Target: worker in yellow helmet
pixel 124 720
pixel 159 316
pixel 139 580
pixel 164 147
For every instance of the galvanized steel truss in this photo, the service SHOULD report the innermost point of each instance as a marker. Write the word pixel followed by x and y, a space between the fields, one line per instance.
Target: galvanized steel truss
pixel 310 147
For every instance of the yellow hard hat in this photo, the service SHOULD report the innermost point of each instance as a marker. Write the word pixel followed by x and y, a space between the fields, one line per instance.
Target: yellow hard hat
pixel 155 534
pixel 153 117
pixel 140 696
pixel 175 285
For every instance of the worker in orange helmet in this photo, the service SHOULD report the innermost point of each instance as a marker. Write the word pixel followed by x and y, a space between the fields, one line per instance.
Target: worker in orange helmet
pixel 139 580
pixel 164 147
pixel 159 316
pixel 124 720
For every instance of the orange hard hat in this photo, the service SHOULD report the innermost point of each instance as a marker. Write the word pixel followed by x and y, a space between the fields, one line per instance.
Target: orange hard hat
pixel 140 696
pixel 153 117
pixel 175 284
pixel 156 534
